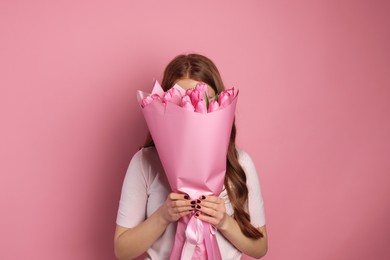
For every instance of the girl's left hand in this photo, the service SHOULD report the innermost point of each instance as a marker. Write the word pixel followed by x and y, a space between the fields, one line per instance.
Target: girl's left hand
pixel 211 209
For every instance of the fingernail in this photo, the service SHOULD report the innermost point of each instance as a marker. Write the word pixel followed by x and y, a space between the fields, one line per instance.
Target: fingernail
pixel 193 206
pixel 198 206
pixel 197 214
pixel 186 197
pixel 202 197
pixel 198 201
pixel 193 202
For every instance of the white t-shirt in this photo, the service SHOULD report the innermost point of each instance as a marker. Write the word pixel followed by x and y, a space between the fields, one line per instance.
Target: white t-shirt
pixel 145 189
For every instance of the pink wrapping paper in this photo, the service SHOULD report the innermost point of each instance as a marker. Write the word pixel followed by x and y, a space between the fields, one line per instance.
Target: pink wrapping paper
pixel 192 148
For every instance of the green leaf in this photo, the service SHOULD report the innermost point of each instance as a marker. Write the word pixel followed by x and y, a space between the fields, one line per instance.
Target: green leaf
pixel 207 100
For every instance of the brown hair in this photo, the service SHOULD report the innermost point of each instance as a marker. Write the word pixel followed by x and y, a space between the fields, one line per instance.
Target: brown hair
pixel 201 68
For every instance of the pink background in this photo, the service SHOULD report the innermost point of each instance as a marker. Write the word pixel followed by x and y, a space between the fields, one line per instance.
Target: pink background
pixel 313 113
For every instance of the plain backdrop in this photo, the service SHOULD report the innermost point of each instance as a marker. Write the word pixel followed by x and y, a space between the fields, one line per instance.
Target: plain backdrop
pixel 313 113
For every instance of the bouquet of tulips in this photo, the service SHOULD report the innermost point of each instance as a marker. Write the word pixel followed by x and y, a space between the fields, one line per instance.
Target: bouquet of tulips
pixel 195 99
pixel 191 133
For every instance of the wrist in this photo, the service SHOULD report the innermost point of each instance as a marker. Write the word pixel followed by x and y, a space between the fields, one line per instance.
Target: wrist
pixel 226 223
pixel 161 218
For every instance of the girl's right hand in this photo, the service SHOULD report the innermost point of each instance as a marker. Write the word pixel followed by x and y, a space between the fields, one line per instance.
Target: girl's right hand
pixel 176 205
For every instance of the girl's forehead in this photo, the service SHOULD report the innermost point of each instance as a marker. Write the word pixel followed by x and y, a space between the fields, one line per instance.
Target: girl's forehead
pixel 187 83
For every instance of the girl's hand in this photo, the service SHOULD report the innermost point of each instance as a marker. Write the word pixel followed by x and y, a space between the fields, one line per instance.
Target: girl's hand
pixel 176 206
pixel 212 210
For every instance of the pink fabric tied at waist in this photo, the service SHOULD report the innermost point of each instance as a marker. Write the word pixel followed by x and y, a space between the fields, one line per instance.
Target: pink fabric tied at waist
pixel 199 241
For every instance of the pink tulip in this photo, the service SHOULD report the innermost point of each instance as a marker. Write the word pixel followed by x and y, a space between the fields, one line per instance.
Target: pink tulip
pixel 225 97
pixel 197 96
pixel 201 87
pixel 146 101
pixel 201 107
pixel 186 103
pixel 173 95
pixel 189 91
pixel 230 91
pixel 213 106
pixel 149 99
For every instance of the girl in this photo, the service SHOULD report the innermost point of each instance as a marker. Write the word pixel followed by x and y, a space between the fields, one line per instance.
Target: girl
pixel 148 210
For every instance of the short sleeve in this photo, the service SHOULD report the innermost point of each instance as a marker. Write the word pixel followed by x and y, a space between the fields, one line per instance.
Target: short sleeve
pixel 255 198
pixel 134 196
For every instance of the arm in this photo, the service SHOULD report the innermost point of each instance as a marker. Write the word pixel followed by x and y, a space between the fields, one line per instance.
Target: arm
pixel 213 209
pixel 256 248
pixel 132 242
pixel 215 213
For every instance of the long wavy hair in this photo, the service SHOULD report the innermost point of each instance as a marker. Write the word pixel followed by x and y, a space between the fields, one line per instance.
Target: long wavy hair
pixel 201 68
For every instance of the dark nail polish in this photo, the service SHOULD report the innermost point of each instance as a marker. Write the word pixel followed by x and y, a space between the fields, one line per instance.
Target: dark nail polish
pixel 186 197
pixel 197 206
pixel 193 206
pixel 203 197
pixel 198 201
pixel 197 214
pixel 193 202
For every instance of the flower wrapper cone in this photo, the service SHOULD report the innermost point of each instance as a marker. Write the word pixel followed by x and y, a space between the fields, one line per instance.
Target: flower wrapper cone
pixel 192 148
